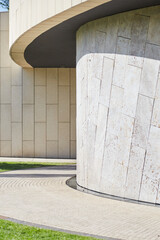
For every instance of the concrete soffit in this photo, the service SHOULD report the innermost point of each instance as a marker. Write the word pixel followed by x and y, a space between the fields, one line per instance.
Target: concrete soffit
pixel 29 48
pixel 19 45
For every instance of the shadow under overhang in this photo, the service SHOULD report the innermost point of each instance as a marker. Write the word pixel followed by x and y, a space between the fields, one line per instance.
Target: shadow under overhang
pixel 57 46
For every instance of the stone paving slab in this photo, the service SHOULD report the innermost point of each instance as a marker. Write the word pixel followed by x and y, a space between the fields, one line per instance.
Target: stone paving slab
pixel 41 196
pixel 48 160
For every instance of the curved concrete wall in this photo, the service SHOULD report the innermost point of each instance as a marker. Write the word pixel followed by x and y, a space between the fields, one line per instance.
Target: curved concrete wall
pixel 118 105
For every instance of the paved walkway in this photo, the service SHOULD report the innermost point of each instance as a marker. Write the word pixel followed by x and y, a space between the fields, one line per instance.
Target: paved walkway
pixel 41 196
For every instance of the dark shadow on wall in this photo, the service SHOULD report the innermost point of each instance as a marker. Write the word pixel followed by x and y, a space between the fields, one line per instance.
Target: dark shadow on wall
pixel 57 46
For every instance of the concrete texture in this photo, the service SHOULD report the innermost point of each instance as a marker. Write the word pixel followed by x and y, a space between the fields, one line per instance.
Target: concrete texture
pixel 37 107
pixel 118 134
pixel 40 196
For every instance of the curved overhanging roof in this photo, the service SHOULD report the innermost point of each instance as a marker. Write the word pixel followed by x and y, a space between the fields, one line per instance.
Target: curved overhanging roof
pixel 53 41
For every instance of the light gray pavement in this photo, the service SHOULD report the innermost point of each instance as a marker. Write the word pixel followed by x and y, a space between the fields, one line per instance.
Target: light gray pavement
pixel 41 196
pixel 48 160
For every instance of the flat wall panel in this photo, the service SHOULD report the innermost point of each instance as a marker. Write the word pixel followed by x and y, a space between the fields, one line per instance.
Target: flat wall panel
pixel 6 148
pixel 64 76
pixel 52 149
pixel 40 103
pixel 16 104
pixel 16 76
pixel 64 142
pixel 52 86
pixel 64 103
pixel 5 85
pixel 5 60
pixel 40 140
pixel 33 104
pixel 28 149
pixel 52 122
pixel 28 86
pixel 17 140
pixel 40 77
pixel 28 122
pixel 6 122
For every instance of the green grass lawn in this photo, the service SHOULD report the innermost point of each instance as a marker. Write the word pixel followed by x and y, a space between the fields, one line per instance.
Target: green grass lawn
pixel 14 231
pixel 10 166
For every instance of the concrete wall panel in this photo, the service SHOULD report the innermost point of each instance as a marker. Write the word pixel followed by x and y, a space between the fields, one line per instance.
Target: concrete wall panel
pixel 37 107
pixel 118 137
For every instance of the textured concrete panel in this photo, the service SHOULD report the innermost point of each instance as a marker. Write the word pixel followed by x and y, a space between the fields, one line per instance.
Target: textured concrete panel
pixel 154 29
pixel 125 25
pixel 99 142
pixel 131 88
pixel 140 26
pixel 106 82
pixel 151 174
pixel 120 61
pixel 156 109
pixel 118 137
pixel 135 167
pixel 150 71
pixel 142 121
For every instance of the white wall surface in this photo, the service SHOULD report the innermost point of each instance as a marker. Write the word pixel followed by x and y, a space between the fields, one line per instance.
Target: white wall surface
pixel 37 107
pixel 118 105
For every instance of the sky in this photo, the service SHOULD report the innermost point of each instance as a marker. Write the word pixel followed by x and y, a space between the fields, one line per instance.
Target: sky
pixel 2 9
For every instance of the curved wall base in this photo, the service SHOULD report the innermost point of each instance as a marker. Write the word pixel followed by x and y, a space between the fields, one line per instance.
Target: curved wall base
pixel 118 99
pixel 72 183
pixel 99 194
